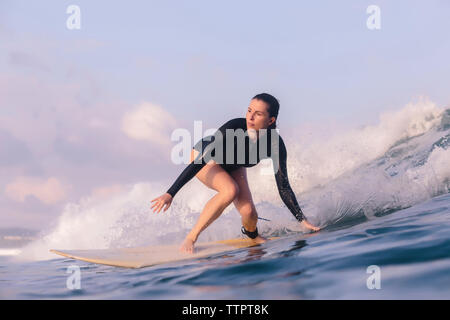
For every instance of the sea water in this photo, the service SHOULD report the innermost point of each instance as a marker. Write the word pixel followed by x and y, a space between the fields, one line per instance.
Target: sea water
pixel 410 247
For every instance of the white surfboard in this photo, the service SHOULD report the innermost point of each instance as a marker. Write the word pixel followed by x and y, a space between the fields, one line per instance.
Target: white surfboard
pixel 140 257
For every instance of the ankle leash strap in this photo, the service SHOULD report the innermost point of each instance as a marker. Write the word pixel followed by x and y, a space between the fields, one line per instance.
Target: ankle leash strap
pixel 251 235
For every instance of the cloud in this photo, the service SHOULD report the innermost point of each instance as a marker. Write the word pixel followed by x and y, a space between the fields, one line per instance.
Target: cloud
pixel 49 191
pixel 149 122
pixel 23 59
pixel 12 150
pixel 98 123
pixel 101 192
pixel 84 145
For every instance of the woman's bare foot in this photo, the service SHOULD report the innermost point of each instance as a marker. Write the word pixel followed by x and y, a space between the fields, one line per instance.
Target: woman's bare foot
pixel 309 226
pixel 259 239
pixel 187 246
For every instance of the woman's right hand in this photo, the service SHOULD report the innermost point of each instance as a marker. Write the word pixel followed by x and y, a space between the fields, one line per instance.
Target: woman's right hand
pixel 160 202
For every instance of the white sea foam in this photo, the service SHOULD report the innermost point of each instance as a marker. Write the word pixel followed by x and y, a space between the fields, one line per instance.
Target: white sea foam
pixel 9 252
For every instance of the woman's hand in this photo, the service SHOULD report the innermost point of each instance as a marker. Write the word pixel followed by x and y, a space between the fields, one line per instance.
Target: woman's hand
pixel 309 226
pixel 160 202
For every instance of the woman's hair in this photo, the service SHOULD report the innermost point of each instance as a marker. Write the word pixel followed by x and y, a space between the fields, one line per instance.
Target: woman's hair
pixel 274 106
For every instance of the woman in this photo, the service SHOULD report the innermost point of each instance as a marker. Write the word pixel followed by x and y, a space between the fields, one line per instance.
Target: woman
pixel 229 179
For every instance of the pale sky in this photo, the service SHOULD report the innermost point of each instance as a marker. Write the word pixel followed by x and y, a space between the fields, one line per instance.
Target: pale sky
pixel 77 106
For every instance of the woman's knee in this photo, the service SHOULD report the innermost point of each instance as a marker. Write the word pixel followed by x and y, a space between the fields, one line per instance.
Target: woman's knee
pixel 230 192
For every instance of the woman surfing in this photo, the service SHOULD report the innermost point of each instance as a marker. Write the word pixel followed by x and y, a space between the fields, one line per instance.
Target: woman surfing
pixel 229 178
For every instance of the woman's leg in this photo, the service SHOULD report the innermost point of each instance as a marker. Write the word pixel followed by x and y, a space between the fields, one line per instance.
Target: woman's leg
pixel 216 178
pixel 244 202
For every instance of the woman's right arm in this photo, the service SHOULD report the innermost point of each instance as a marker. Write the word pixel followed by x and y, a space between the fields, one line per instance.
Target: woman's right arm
pixel 188 173
pixel 165 200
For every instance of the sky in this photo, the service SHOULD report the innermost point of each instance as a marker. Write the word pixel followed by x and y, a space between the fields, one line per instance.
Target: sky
pixel 87 111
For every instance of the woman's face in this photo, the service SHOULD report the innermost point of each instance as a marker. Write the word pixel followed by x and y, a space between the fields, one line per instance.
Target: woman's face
pixel 258 116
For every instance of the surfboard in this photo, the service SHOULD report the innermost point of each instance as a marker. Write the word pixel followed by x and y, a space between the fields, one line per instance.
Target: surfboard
pixel 139 257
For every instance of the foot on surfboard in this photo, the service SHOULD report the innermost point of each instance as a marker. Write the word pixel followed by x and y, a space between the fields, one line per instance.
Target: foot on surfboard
pixel 259 239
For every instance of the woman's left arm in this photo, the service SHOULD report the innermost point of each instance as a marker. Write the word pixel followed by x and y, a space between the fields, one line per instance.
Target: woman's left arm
pixel 284 188
pixel 281 177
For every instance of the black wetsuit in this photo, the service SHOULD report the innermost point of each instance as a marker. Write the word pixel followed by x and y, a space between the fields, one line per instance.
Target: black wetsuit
pixel 207 149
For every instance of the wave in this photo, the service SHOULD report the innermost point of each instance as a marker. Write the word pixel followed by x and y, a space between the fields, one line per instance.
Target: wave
pixel 361 173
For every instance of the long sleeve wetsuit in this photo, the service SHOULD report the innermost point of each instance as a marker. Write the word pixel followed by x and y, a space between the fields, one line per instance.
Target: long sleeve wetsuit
pixel 248 150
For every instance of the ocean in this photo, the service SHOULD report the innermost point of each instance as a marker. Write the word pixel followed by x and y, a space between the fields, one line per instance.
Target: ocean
pixel 380 193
